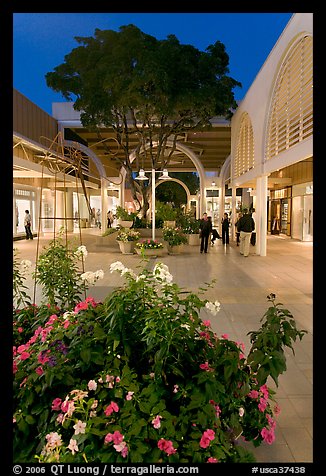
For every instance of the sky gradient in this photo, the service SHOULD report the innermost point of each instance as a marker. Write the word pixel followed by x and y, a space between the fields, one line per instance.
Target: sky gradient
pixel 41 40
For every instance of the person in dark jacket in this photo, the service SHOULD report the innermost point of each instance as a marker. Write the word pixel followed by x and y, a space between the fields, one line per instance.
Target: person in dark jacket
pixel 225 229
pixel 205 230
pixel 245 226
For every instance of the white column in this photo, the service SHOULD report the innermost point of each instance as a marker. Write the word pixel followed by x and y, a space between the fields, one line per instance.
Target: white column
pixel 261 214
pixel 104 203
pixel 221 204
pixel 233 210
pixel 69 209
pixel 153 204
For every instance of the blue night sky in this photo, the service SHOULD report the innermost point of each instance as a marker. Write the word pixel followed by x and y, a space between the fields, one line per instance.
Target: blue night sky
pixel 41 40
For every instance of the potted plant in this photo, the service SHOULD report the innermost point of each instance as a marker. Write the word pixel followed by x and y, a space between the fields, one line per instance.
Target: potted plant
pixel 125 219
pixel 165 212
pixel 149 247
pixel 126 239
pixel 191 229
pixel 175 239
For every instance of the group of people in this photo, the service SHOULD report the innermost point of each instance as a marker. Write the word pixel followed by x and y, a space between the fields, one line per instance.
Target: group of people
pixel 245 227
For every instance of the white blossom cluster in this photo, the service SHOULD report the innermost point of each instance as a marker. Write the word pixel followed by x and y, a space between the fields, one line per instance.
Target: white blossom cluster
pixel 121 268
pixel 213 307
pixel 81 252
pixel 25 265
pixel 161 271
pixel 91 277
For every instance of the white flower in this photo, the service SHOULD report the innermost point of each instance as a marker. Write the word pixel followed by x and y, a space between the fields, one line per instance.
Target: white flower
pixel 73 447
pixel 241 411
pixel 99 274
pixel 186 326
pixel 90 278
pixel 81 252
pixel 79 427
pixel 25 265
pixel 213 307
pixel 117 266
pixel 161 271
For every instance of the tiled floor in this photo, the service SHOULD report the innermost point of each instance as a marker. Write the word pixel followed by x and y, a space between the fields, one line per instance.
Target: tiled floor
pixel 242 285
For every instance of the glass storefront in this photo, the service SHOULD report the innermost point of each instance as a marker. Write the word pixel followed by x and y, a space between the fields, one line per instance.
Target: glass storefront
pixel 24 199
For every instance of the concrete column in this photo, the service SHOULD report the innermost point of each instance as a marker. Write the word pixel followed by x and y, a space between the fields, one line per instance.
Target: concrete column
pixel 261 214
pixel 233 209
pixel 104 203
pixel 69 209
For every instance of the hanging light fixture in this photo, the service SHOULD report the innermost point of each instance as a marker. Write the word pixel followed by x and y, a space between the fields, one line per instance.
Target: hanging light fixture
pixel 165 175
pixel 141 175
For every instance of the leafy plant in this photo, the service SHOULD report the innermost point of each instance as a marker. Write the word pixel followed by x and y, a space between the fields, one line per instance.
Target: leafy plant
pixel 165 211
pixel 122 214
pixel 140 377
pixel 174 236
pixel 20 268
pixel 127 234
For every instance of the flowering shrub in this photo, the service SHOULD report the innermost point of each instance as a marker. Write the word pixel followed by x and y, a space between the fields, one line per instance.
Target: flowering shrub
pixel 127 234
pixel 174 236
pixel 59 272
pixel 142 377
pixel 149 244
pixel 20 270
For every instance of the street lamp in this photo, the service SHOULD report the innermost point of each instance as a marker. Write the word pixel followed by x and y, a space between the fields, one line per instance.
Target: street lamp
pixel 142 176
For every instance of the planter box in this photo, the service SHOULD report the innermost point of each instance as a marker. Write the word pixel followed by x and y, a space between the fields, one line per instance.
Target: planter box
pixel 125 223
pixel 175 250
pixel 151 253
pixel 169 223
pixel 109 240
pixel 193 239
pixel 127 248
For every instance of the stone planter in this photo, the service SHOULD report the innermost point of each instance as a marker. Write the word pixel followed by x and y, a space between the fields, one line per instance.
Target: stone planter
pixel 127 248
pixel 125 223
pixel 151 253
pixel 175 250
pixel 193 239
pixel 169 223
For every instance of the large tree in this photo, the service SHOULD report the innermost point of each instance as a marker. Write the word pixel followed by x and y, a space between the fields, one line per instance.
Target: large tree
pixel 154 89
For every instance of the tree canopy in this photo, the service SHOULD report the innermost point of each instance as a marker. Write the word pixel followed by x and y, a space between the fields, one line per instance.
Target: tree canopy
pixel 154 89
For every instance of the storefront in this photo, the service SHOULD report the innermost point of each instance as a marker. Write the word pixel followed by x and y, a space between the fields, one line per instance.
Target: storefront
pixel 290 211
pixel 25 198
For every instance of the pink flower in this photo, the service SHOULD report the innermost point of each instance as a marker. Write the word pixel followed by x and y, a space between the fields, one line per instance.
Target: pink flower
pixel 129 395
pixel 253 394
pixel 56 404
pixel 212 460
pixel 20 329
pixel 167 446
pixel 24 355
pixel 113 407
pixel 206 438
pixel 262 405
pixel 268 435
pixel 156 422
pixel 205 366
pixel 207 323
pixel 116 437
pixel 225 336
pixel 39 370
pixel 92 385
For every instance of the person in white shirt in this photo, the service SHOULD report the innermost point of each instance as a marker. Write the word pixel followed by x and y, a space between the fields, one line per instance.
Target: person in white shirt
pixel 28 224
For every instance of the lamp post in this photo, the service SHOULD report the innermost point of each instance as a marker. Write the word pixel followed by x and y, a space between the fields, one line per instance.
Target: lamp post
pixel 142 176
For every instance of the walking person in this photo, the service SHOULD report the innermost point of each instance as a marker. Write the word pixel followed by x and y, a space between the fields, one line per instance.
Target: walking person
pixel 236 227
pixel 28 225
pixel 110 219
pixel 205 230
pixel 253 234
pixel 225 229
pixel 245 226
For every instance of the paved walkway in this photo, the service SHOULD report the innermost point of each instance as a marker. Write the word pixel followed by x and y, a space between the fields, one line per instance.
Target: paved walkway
pixel 242 285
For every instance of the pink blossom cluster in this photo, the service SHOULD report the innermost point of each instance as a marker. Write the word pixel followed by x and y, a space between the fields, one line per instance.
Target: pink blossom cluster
pixel 206 438
pixel 118 444
pixel 167 446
